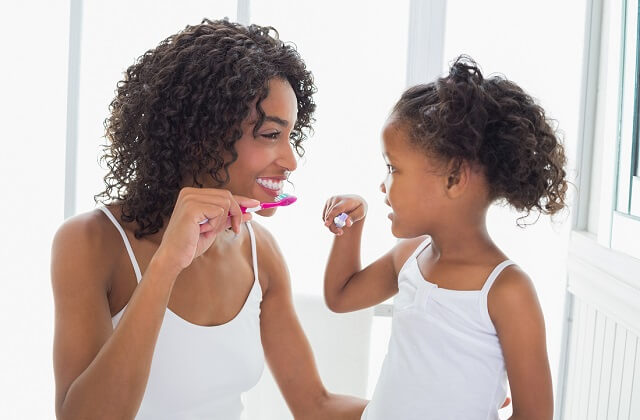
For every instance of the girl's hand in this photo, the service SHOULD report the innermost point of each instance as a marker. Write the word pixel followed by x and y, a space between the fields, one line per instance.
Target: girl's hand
pixel 353 205
pixel 186 238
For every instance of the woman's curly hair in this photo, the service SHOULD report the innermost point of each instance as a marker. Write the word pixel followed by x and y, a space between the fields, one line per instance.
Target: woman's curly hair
pixel 493 122
pixel 178 111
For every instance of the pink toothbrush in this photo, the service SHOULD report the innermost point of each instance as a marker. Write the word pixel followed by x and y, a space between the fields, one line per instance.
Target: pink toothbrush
pixel 279 201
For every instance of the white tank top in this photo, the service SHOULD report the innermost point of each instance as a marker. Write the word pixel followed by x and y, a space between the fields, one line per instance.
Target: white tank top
pixel 444 360
pixel 200 372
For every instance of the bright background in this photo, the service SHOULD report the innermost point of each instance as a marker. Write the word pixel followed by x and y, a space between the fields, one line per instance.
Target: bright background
pixel 358 54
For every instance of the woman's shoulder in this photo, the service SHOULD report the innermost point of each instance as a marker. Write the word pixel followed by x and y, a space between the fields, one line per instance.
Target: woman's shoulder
pixel 86 229
pixel 86 242
pixel 273 266
pixel 265 241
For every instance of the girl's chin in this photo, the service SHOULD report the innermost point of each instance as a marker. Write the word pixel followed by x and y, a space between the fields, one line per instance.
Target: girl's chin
pixel 402 233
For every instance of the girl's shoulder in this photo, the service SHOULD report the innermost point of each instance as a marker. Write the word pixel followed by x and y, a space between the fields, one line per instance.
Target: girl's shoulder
pixel 512 290
pixel 405 248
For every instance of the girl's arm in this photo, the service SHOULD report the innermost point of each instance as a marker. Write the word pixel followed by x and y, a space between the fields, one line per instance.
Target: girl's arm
pixel 348 287
pixel 516 314
pixel 286 348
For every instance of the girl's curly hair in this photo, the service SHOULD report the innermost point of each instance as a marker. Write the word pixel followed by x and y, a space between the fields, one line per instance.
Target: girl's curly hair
pixel 179 108
pixel 493 122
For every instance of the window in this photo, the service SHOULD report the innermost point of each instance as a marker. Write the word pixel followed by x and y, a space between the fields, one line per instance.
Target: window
pixel 626 216
pixel 634 205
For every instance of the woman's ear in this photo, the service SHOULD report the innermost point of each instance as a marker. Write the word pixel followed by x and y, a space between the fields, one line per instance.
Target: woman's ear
pixel 457 177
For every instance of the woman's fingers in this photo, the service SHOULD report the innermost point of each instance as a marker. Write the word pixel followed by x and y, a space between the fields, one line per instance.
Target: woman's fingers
pixel 222 210
pixel 236 213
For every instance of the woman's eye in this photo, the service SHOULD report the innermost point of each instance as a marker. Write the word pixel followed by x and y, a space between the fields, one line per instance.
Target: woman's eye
pixel 390 169
pixel 272 136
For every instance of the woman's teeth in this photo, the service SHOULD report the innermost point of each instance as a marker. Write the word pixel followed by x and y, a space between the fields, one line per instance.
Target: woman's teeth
pixel 272 185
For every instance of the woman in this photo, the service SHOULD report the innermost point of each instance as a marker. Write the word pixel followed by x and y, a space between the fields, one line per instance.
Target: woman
pixel 159 315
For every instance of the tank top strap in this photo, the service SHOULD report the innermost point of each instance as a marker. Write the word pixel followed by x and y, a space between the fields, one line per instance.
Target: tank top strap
pixel 494 275
pixel 414 255
pixel 127 244
pixel 254 254
pixel 420 248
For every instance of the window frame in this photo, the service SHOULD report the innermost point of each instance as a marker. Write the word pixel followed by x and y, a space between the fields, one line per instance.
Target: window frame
pixel 625 217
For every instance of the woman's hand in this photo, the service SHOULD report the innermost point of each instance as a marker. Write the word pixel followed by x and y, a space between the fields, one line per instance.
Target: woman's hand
pixel 353 205
pixel 186 237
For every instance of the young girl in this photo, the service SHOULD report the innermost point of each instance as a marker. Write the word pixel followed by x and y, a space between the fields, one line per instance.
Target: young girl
pixel 465 316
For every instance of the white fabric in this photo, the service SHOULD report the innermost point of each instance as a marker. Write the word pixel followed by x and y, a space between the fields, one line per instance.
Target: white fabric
pixel 444 360
pixel 200 372
pixel 340 344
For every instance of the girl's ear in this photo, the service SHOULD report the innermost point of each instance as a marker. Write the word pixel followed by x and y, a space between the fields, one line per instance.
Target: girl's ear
pixel 457 177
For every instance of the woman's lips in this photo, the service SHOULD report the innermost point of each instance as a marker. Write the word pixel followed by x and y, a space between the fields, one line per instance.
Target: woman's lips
pixel 272 186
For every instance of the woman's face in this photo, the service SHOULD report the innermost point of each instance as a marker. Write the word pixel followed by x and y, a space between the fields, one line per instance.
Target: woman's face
pixel 266 159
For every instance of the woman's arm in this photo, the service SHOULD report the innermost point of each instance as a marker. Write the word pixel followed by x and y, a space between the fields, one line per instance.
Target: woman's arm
pixel 101 372
pixel 516 314
pixel 287 350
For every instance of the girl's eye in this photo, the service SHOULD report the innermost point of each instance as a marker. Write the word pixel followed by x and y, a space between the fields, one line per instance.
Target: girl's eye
pixel 271 136
pixel 390 169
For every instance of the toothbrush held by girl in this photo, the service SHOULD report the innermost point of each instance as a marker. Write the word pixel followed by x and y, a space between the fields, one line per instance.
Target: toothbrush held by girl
pixel 465 317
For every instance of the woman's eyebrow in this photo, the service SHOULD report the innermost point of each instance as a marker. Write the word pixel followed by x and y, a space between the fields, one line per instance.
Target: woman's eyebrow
pixel 276 120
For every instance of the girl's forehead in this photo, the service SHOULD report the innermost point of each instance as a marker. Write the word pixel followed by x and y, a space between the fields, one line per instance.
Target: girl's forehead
pixel 396 141
pixel 397 146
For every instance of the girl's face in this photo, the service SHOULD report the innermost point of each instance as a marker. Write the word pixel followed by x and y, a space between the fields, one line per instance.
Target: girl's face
pixel 265 160
pixel 415 185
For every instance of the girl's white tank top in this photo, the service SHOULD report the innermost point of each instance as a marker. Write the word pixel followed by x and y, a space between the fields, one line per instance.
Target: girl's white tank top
pixel 444 360
pixel 200 372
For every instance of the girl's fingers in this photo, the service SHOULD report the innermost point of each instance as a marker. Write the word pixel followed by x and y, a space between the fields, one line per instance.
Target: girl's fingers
pixel 327 208
pixel 353 206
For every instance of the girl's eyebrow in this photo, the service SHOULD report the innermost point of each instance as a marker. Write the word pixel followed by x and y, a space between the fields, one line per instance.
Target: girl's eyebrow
pixel 387 155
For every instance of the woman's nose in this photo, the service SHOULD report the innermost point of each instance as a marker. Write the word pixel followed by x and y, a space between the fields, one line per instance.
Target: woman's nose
pixel 383 188
pixel 287 157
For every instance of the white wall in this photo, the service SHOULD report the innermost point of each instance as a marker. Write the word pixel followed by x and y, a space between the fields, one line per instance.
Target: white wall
pixel 33 115
pixel 538 45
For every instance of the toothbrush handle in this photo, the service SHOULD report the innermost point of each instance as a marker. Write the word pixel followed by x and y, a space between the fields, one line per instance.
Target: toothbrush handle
pixel 253 209
pixel 242 209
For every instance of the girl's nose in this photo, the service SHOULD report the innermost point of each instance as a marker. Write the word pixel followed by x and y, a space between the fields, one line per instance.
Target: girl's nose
pixel 383 188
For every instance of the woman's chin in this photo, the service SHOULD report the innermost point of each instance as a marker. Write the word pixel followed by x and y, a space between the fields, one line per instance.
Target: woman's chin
pixel 267 212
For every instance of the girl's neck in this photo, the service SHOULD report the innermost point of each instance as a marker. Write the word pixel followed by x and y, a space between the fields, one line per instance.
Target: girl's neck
pixel 460 241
